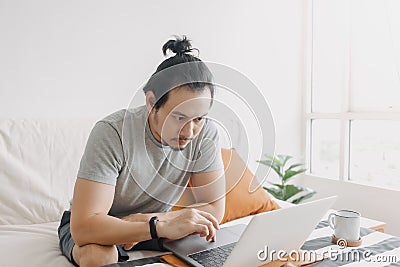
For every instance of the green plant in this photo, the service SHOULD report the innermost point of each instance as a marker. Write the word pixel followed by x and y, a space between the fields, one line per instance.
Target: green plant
pixel 284 190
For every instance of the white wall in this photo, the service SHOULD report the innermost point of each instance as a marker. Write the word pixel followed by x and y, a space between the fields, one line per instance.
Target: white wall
pixel 88 58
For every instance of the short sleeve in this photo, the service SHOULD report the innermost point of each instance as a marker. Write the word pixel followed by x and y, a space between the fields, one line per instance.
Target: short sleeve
pixel 209 154
pixel 103 157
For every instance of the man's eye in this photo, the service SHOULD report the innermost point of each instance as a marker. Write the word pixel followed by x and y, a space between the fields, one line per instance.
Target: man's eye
pixel 179 118
pixel 199 118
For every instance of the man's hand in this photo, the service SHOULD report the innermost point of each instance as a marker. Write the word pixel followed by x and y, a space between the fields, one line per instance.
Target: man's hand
pixel 178 224
pixel 186 222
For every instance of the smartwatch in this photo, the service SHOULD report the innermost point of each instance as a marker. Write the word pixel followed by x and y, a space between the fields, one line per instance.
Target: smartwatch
pixel 153 231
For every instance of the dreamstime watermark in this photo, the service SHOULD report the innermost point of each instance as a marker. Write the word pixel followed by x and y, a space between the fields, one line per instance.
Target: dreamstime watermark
pixel 383 258
pixel 333 253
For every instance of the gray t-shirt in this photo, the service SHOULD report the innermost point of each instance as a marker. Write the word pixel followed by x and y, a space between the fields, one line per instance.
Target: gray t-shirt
pixel 148 177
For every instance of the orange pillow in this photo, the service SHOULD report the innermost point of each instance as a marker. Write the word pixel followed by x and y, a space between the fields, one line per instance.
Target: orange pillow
pixel 240 202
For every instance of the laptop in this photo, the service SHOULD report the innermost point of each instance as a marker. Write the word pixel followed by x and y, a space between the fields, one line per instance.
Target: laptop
pixel 240 245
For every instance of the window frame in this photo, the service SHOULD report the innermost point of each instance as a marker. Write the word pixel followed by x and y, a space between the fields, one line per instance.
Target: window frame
pixel 345 116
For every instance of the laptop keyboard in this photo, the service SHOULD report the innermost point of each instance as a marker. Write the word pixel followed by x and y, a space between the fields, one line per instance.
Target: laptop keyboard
pixel 213 257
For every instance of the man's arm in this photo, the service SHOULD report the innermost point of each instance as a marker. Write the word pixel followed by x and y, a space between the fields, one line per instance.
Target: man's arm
pixel 90 222
pixel 209 192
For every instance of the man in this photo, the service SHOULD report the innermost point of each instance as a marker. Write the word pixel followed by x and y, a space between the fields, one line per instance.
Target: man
pixel 137 164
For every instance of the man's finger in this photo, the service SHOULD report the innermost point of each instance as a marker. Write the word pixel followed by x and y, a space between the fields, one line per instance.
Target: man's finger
pixel 201 229
pixel 210 227
pixel 129 246
pixel 210 217
pixel 210 224
pixel 212 238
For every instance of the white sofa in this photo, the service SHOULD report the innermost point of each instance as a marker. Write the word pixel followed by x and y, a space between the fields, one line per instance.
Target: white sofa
pixel 39 160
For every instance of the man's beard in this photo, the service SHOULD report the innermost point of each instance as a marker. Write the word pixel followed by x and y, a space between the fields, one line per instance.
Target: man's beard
pixel 177 148
pixel 173 147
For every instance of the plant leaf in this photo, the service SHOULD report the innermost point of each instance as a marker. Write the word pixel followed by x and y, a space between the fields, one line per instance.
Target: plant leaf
pixel 266 162
pixel 272 165
pixel 281 157
pixel 277 185
pixel 276 160
pixel 291 190
pixel 284 159
pixel 294 166
pixel 277 193
pixel 304 197
pixel 291 173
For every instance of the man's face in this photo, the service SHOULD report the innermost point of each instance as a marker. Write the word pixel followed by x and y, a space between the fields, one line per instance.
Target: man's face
pixel 181 118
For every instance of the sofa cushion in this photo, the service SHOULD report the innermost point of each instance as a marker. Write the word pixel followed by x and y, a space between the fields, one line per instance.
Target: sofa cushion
pixel 39 160
pixel 31 245
pixel 245 196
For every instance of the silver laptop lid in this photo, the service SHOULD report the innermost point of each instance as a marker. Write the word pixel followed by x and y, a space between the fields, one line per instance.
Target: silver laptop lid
pixel 284 229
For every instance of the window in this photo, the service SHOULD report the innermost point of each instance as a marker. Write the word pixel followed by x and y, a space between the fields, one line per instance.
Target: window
pixel 353 91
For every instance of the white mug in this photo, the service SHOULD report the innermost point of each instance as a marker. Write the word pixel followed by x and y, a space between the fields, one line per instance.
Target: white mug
pixel 345 224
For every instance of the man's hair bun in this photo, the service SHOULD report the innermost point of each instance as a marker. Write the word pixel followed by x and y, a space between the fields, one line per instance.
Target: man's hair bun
pixel 187 70
pixel 179 46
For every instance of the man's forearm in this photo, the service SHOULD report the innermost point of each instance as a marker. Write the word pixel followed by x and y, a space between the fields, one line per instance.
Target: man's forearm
pixel 103 229
pixel 215 208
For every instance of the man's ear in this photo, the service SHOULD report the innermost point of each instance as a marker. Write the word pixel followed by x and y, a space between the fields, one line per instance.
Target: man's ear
pixel 150 100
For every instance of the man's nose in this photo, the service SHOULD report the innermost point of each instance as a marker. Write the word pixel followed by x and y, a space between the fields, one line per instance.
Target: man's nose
pixel 187 130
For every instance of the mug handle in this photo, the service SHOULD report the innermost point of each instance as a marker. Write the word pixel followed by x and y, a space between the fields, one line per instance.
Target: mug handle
pixel 331 220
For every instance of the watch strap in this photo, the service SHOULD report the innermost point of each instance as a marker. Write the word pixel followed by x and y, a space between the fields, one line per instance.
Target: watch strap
pixel 153 231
